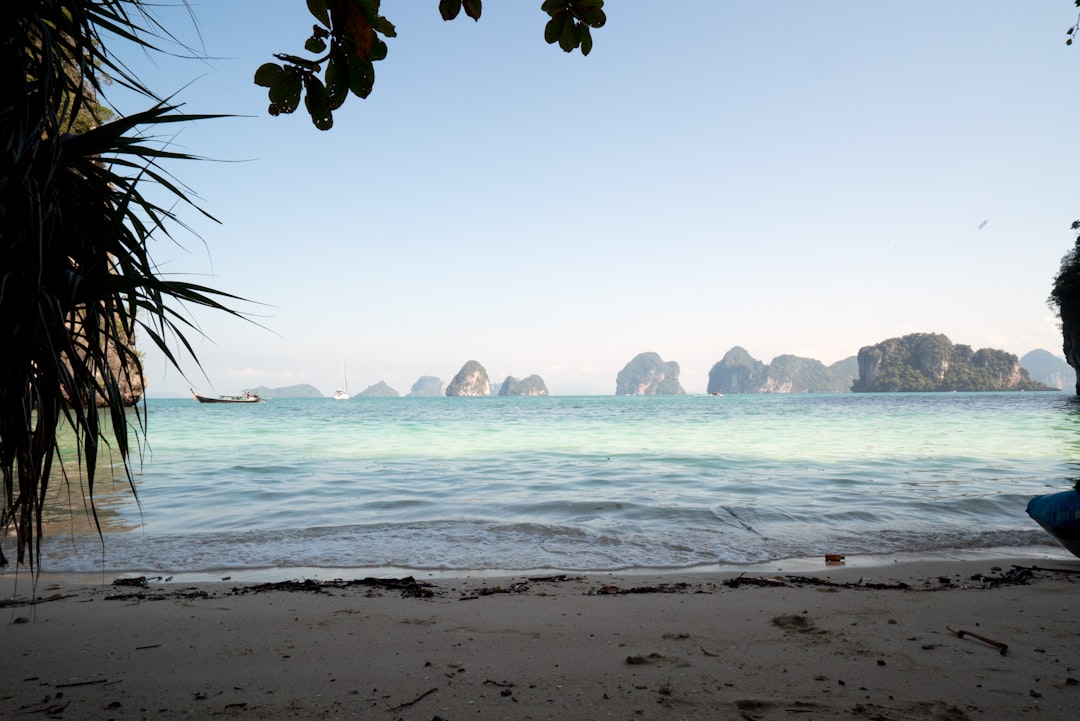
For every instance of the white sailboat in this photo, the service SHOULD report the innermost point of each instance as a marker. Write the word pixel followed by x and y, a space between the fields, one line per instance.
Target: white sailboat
pixel 343 395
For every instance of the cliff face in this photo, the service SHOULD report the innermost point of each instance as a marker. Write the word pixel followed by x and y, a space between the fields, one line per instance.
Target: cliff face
pixel 648 374
pixel 471 380
pixel 1070 335
pixel 532 386
pixel 132 381
pixel 736 372
pixel 427 387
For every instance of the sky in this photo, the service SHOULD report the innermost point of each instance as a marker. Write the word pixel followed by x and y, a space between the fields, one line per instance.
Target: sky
pixel 798 178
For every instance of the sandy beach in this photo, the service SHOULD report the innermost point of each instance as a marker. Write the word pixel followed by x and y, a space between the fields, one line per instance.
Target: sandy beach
pixel 933 640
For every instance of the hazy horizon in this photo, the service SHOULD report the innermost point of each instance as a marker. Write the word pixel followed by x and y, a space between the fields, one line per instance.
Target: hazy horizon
pixel 496 382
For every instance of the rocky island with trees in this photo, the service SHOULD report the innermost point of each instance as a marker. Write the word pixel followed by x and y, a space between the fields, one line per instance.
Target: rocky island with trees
pixel 931 362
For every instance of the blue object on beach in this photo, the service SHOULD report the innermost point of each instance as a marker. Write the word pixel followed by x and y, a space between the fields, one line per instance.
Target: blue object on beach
pixel 1059 514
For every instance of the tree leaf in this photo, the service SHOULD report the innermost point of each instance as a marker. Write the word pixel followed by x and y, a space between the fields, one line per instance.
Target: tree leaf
pixel 361 76
pixel 449 9
pixel 378 50
pixel 315 45
pixel 384 26
pixel 319 10
pixel 267 74
pixel 554 28
pixel 571 35
pixel 317 103
pixel 586 40
pixel 337 78
pixel 473 9
pixel 593 16
pixel 551 7
pixel 285 92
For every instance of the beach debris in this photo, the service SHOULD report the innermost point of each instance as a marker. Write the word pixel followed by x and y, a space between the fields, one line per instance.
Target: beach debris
pixel 643 660
pixel 960 633
pixel 679 587
pixel 305 585
pixel 517 587
pixel 73 684
pixel 188 593
pixel 500 684
pixel 409 586
pixel 796 622
pixel 1053 570
pixel 415 700
pixel 744 580
pixel 834 559
pixel 139 582
pixel 559 578
pixel 1016 575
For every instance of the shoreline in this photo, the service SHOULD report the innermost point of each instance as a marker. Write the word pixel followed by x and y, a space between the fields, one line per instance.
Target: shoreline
pixel 1050 552
pixel 861 641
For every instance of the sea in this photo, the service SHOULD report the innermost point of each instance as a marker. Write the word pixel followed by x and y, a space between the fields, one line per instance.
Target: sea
pixel 319 488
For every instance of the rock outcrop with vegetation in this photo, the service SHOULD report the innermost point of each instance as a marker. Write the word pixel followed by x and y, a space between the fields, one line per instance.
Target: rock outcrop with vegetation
pixel 739 372
pixel 378 390
pixel 931 362
pixel 471 380
pixel 427 387
pixel 648 374
pixel 532 386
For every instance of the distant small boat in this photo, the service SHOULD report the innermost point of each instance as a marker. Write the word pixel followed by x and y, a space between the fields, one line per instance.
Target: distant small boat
pixel 245 397
pixel 343 395
pixel 1059 514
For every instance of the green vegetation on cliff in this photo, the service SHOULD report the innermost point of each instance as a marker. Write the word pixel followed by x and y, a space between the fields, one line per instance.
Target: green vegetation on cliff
pixel 531 386
pixel 471 380
pixel 930 362
pixel 647 374
pixel 739 372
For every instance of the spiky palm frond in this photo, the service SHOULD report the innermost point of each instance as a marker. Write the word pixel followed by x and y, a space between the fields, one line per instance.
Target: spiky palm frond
pixel 76 274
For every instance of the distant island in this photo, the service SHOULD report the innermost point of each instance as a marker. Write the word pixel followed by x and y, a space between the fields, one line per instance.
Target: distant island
pixel 739 372
pixel 1045 367
pixel 531 386
pixel 379 390
pixel 303 390
pixel 471 380
pixel 931 362
pixel 427 387
pixel 647 374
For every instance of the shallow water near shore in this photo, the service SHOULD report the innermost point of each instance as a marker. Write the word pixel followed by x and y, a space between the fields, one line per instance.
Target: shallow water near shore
pixel 591 483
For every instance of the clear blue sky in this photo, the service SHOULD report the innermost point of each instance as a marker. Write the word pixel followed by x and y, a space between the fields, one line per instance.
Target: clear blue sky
pixel 790 177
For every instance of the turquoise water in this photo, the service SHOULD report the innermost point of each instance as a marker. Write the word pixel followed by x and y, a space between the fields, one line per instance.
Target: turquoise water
pixel 578 483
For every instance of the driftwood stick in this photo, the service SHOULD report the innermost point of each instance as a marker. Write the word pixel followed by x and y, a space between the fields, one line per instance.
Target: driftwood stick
pixel 72 684
pixel 410 703
pixel 1001 647
pixel 1053 570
